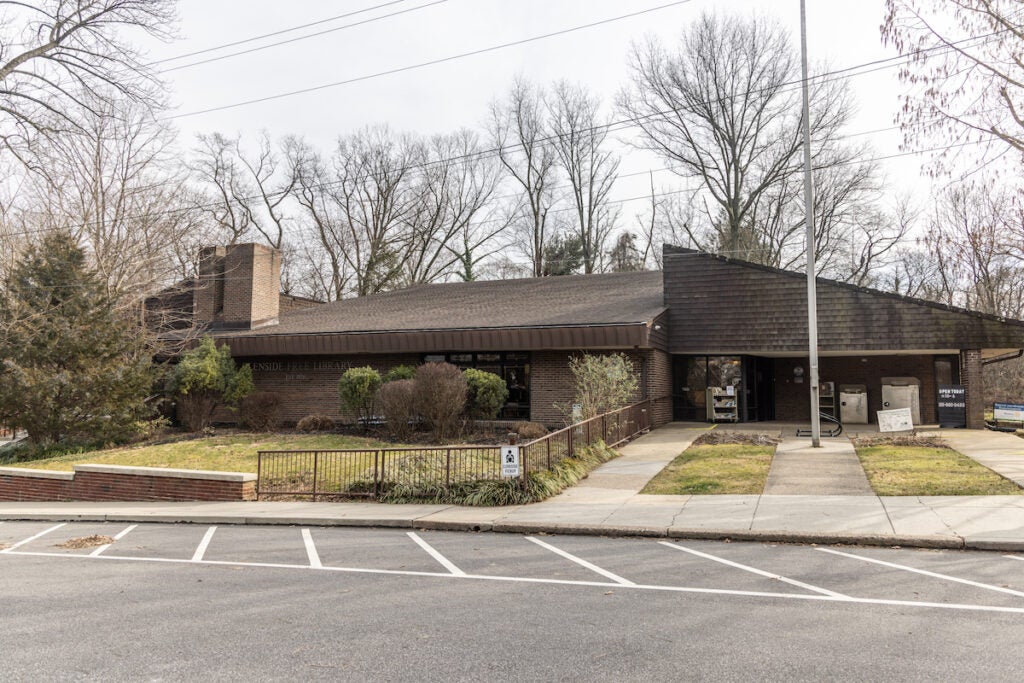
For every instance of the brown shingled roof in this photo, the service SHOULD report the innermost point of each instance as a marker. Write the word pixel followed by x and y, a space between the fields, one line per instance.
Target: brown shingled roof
pixel 565 301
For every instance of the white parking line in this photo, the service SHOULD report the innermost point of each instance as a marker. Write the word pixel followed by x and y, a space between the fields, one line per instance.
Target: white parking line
pixel 924 572
pixel 197 556
pixel 444 561
pixel 559 582
pixel 581 562
pixel 32 538
pixel 124 532
pixel 1014 557
pixel 311 553
pixel 754 570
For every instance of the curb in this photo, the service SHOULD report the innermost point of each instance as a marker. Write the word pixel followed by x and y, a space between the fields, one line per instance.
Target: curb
pixel 610 531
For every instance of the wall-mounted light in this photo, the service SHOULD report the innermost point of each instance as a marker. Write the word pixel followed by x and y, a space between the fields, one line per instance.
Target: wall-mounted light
pixel 657 327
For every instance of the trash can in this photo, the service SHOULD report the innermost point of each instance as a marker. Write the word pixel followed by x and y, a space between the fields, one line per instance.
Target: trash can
pixel 902 392
pixel 853 404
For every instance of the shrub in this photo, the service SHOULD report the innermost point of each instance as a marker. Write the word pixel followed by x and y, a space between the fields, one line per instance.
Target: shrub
pixel 397 400
pixel 259 411
pixel 603 383
pixel 400 372
pixel 205 379
pixel 440 397
pixel 357 389
pixel 486 394
pixel 528 431
pixel 315 423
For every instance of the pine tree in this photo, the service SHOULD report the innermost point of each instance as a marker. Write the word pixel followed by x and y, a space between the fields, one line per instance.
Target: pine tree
pixel 72 367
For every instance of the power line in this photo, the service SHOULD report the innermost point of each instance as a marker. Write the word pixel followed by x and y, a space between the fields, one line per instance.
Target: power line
pixel 275 33
pixel 887 62
pixel 433 62
pixel 300 38
pixel 839 74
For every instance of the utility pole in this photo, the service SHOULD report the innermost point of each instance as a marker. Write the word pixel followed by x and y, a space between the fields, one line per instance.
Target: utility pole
pixel 812 293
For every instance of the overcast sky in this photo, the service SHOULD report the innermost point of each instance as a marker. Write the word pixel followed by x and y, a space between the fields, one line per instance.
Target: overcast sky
pixel 454 94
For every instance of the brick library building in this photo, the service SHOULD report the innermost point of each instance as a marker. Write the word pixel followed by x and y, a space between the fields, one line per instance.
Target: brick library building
pixel 712 338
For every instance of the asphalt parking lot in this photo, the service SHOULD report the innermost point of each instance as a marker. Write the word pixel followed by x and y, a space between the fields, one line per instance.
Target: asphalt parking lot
pixel 242 603
pixel 925 579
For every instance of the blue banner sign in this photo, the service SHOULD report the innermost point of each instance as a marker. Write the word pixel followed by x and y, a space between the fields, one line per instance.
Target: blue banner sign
pixel 1008 412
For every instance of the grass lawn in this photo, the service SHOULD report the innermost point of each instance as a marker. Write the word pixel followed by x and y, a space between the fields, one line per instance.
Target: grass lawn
pixel 715 469
pixel 929 471
pixel 228 453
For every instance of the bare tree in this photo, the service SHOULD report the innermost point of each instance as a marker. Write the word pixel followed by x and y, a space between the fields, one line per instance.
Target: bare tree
pixel 359 205
pixel 965 72
pixel 56 55
pixel 578 135
pixel 966 239
pixel 115 188
pixel 723 110
pixel 453 190
pixel 517 129
pixel 245 192
pixel 327 275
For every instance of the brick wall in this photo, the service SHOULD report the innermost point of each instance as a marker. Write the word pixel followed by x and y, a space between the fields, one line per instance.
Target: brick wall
pixel 310 385
pixel 972 378
pixel 792 400
pixel 659 386
pixel 551 382
pixel 23 485
pixel 116 483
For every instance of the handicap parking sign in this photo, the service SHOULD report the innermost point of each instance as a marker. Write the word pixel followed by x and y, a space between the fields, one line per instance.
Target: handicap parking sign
pixel 510 461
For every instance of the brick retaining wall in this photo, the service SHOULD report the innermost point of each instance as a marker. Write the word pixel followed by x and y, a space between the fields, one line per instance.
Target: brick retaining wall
pixel 119 483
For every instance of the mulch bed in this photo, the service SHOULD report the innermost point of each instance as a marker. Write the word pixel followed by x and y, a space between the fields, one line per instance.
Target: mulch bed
pixel 717 436
pixel 902 440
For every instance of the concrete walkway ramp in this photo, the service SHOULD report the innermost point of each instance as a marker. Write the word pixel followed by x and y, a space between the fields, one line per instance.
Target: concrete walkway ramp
pixel 832 470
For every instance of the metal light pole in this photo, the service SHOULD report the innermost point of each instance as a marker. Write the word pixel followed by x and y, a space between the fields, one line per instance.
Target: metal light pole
pixel 812 294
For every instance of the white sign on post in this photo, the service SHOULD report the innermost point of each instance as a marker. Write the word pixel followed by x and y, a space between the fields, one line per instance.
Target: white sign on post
pixel 896 420
pixel 510 461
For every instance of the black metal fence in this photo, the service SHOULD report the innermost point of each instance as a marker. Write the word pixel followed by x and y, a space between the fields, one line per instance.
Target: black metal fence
pixel 369 472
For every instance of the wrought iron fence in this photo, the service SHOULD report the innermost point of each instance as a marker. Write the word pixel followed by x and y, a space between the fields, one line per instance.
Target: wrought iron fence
pixel 369 472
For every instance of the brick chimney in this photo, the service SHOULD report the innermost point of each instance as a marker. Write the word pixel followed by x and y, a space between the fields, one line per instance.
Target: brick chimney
pixel 238 287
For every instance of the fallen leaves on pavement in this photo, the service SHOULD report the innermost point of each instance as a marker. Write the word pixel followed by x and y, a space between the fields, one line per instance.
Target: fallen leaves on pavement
pixel 85 542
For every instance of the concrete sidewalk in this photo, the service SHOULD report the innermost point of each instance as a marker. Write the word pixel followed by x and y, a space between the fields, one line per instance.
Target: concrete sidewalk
pixel 981 522
pixel 831 470
pixel 608 503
